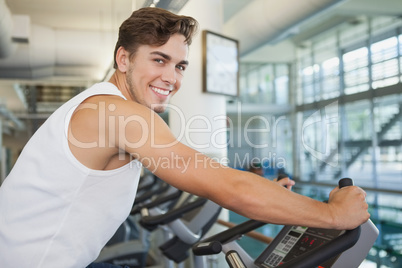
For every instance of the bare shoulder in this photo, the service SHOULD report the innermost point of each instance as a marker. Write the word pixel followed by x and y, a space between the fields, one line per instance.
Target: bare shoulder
pixel 105 114
pixel 104 125
pixel 110 105
pixel 112 114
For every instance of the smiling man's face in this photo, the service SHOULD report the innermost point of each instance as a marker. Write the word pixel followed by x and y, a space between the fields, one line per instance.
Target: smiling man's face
pixel 155 73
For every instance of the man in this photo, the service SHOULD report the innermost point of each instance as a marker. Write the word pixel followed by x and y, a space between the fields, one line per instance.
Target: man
pixel 256 168
pixel 76 179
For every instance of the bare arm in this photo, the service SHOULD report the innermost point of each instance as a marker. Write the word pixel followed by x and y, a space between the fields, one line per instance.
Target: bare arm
pixel 143 134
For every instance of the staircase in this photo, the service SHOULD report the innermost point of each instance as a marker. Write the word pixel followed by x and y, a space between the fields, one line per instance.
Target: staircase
pixel 364 145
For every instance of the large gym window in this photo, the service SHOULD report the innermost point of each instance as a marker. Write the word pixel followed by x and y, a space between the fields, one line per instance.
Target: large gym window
pixel 360 72
pixel 345 90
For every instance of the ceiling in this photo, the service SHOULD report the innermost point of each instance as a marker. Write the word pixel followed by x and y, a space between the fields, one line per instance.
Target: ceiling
pixel 83 32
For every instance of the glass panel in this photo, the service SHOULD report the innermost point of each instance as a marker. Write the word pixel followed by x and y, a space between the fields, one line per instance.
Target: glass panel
pixel 400 44
pixel 385 73
pixel 253 82
pixel 355 59
pixel 307 144
pixel 330 78
pixel 384 50
pixel 305 79
pixel 356 75
pixel 266 84
pixel 282 84
pixel 385 63
pixel 388 126
pixel 368 164
pixel 281 88
pixel 356 81
pixel 319 143
pixel 400 54
pixel 309 83
pixel 243 87
pixel 327 154
pixel 358 143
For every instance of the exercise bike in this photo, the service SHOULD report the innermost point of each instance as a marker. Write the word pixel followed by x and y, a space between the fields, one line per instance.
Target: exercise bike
pixel 130 245
pixel 296 246
pixel 183 219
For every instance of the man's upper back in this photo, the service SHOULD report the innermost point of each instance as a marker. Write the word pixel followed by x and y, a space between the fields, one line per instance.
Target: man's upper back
pixel 52 207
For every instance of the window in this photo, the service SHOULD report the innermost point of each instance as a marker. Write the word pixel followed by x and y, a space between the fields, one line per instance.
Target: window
pixel 330 78
pixel 356 73
pixel 385 62
pixel 264 83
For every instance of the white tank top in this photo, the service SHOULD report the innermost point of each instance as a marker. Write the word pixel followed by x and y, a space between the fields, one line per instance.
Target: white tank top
pixel 54 211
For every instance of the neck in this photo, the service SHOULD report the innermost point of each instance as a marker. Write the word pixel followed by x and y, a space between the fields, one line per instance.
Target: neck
pixel 119 80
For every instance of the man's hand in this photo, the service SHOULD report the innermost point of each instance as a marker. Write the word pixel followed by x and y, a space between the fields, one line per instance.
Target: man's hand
pixel 348 207
pixel 285 182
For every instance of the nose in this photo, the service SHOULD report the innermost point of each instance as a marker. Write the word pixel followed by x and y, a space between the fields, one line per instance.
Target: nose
pixel 169 76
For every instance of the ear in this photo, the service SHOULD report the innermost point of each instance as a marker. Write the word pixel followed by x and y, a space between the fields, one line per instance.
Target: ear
pixel 122 59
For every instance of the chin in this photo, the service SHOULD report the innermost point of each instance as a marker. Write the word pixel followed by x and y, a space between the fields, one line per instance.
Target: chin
pixel 159 108
pixel 159 111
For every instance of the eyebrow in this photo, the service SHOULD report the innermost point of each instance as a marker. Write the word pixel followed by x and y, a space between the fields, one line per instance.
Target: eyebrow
pixel 167 57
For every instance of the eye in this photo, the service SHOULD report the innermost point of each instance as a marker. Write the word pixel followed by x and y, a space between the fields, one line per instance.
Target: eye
pixel 181 67
pixel 159 60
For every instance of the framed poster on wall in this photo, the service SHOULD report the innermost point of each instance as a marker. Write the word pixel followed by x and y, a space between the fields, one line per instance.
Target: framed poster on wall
pixel 220 64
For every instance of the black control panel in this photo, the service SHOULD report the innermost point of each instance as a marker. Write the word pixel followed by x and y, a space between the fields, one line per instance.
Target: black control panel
pixel 292 242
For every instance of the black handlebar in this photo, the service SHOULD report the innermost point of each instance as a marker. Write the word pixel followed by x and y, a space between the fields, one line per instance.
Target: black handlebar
pixel 327 251
pixel 159 201
pixel 313 258
pixel 345 182
pixel 207 248
pixel 147 195
pixel 152 222
pixel 282 176
pixel 213 244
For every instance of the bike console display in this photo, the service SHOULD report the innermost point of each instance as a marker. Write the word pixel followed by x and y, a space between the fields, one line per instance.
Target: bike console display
pixel 292 242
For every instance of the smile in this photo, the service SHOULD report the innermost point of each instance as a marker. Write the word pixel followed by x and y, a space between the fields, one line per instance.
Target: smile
pixel 160 91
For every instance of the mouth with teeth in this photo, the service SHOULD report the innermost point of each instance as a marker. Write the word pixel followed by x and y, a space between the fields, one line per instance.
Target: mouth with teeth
pixel 160 91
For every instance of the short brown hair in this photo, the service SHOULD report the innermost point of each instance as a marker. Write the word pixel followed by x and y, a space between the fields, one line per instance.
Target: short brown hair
pixel 153 26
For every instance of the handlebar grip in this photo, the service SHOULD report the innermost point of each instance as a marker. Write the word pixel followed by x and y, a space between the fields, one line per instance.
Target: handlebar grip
pixel 281 176
pixel 207 248
pixel 345 182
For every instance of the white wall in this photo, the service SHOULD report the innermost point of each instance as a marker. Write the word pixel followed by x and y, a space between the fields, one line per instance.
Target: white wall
pixel 198 119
